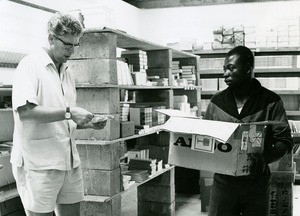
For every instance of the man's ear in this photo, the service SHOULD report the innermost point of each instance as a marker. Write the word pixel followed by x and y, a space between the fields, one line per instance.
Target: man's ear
pixel 249 69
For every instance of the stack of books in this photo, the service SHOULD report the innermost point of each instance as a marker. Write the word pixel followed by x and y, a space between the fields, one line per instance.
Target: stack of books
pixel 143 164
pixel 141 115
pixel 124 75
pixel 137 175
pixel 138 153
pixel 176 71
pixel 188 73
pixel 137 59
pixel 124 112
pixel 159 165
pixel 158 118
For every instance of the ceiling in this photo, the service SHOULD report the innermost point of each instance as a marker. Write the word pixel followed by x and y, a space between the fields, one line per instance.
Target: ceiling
pixel 61 5
pixel 147 4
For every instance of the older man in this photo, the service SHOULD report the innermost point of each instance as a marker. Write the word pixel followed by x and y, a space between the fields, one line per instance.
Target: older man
pixel 45 160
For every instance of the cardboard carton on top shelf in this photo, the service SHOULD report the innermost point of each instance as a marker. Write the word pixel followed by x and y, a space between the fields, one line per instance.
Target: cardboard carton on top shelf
pixel 215 146
pixel 6 176
pixel 6 129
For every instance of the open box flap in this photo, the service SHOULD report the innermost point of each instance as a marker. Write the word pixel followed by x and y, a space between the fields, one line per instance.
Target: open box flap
pixel 219 130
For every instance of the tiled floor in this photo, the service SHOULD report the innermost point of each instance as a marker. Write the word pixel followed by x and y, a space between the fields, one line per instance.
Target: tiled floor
pixel 189 205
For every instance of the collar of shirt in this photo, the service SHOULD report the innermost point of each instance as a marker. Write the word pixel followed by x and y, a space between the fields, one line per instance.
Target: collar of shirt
pixel 46 60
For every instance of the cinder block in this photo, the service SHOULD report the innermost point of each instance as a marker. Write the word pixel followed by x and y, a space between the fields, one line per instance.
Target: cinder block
pixel 94 71
pixel 101 206
pixel 284 164
pixel 156 208
pixel 110 132
pixel 282 176
pixel 101 182
pixel 165 179
pixel 205 191
pixel 281 199
pixel 126 129
pixel 96 45
pixel 99 100
pixel 156 193
pixel 99 156
pixel 159 58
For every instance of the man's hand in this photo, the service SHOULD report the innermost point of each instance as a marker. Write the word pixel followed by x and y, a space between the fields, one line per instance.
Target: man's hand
pixel 99 121
pixel 80 116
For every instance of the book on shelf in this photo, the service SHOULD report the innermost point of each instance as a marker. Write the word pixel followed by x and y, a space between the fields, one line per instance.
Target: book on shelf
pixel 141 115
pixel 142 154
pixel 123 73
pixel 137 175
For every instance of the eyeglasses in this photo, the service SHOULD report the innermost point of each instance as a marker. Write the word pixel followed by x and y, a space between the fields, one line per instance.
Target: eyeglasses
pixel 229 67
pixel 67 46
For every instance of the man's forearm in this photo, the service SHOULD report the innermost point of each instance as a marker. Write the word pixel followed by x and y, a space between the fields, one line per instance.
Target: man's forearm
pixel 42 114
pixel 278 151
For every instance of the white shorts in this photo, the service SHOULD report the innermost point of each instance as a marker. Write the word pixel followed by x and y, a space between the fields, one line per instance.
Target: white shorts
pixel 40 190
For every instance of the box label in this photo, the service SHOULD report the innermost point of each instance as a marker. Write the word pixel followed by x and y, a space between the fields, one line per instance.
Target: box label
pixel 203 143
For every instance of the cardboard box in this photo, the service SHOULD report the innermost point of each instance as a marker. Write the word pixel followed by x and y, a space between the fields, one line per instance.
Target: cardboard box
pixel 6 129
pixel 6 176
pixel 126 128
pixel 219 147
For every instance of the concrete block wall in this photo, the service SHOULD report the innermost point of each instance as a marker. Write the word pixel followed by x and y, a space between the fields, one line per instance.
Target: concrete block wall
pixel 94 64
pixel 157 197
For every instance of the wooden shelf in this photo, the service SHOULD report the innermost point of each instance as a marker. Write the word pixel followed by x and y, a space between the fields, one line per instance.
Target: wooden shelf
pixel 132 87
pixel 158 173
pixel 279 92
pixel 293 113
pixel 152 130
pixel 257 51
pixel 283 72
pixel 126 41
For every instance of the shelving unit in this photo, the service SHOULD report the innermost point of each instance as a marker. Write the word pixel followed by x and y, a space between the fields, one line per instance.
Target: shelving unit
pixel 98 92
pixel 283 171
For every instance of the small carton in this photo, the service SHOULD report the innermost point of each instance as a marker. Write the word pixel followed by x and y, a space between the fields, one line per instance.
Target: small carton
pixel 215 146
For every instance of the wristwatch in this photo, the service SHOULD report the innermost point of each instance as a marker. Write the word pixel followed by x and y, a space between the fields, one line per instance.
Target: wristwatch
pixel 68 113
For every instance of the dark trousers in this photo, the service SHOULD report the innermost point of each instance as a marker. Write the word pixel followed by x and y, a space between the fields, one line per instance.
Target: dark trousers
pixel 235 196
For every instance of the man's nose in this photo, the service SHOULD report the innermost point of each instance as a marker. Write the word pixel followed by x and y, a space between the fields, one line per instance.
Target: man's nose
pixel 226 73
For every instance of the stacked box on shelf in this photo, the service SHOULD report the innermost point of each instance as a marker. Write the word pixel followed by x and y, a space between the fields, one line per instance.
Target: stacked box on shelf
pixel 6 130
pixel 280 83
pixel 95 64
pixel 209 84
pixel 158 118
pixel 283 61
pixel 228 37
pixel 176 72
pixel 211 63
pixel 138 64
pixel 188 73
pixel 141 115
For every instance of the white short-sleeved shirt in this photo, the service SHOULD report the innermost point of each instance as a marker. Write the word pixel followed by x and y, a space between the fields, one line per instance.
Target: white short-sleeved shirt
pixel 42 146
